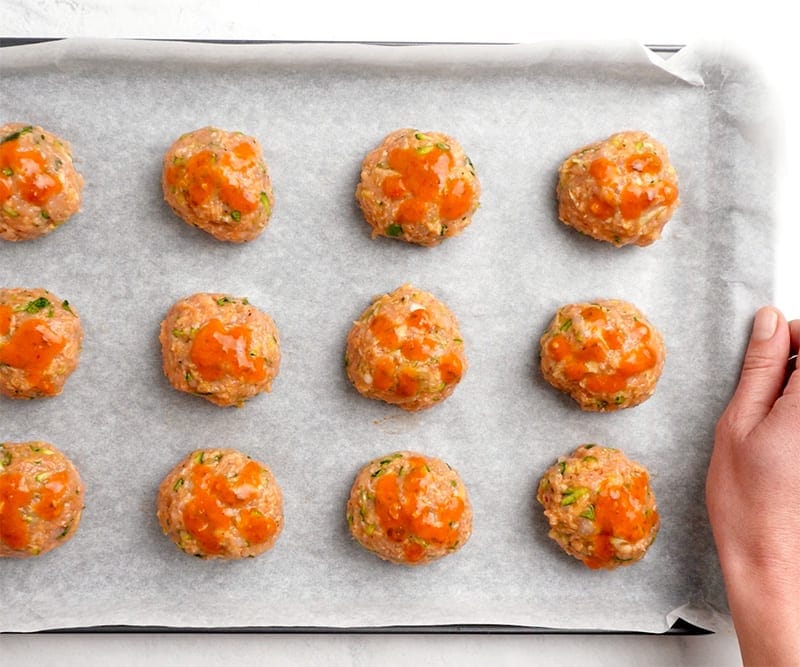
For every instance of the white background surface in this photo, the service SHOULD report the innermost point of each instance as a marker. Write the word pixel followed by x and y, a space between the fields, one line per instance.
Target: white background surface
pixel 763 32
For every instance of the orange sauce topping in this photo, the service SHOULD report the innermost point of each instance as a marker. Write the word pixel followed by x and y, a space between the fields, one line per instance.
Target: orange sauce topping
pixel 406 515
pixel 419 319
pixel 5 320
pixel 218 351
pixel 35 183
pixel 577 357
pixel 646 163
pixel 31 349
pixel 13 527
pixel 451 368
pixel 203 175
pixel 600 208
pixel 604 171
pixel 13 499
pixel 417 346
pixel 407 382
pixel 421 181
pixel 634 199
pixel 383 373
pixel 619 512
pixel 415 349
pixel 382 327
pixel 216 506
pixel 51 495
pixel 255 527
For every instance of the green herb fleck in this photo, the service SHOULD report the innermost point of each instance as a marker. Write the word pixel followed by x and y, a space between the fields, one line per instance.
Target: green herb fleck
pixel 223 300
pixel 178 484
pixel 36 305
pixel 200 457
pixel 571 495
pixel 45 214
pixel 562 466
pixel 588 513
pixel 421 137
pixel 5 459
pixel 8 171
pixel 423 150
pixel 265 202
pixel 442 146
pixel 17 134
pixel 10 212
pixel 236 215
pixel 618 399
pixel 394 230
pixel 566 325
pixel 64 532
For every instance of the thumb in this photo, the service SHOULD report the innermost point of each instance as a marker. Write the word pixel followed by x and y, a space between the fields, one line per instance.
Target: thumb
pixel 763 369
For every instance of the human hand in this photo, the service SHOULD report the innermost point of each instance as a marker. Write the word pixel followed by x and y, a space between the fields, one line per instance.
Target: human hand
pixel 753 496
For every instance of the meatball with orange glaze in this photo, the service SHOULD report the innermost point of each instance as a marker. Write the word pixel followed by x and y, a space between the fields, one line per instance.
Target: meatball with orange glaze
pixel 220 503
pixel 40 342
pixel 219 347
pixel 418 187
pixel 41 499
pixel 606 355
pixel 622 190
pixel 406 349
pixel 409 509
pixel 218 181
pixel 600 507
pixel 39 187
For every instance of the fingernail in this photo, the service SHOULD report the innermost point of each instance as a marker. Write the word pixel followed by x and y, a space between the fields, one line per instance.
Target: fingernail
pixel 765 324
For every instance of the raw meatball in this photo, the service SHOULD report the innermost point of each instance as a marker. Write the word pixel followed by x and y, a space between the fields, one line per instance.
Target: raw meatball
pixel 418 187
pixel 406 349
pixel 606 355
pixel 41 499
pixel 40 342
pixel 409 509
pixel 622 190
pixel 218 181
pixel 219 503
pixel 600 506
pixel 219 347
pixel 39 187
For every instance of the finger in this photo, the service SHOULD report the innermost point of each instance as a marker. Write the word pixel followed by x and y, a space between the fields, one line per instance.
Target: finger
pixel 792 387
pixel 763 370
pixel 794 335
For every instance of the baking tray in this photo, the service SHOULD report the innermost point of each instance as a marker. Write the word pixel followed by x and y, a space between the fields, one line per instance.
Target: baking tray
pixel 751 290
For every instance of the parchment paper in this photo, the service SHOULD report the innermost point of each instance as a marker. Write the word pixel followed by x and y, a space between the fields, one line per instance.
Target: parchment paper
pixel 317 109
